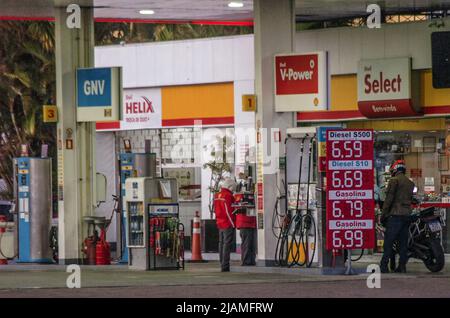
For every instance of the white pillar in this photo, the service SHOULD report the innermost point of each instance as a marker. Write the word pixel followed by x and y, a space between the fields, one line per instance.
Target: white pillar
pixel 274 33
pixel 76 166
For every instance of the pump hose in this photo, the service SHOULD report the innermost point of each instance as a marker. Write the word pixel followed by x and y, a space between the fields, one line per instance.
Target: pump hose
pixel 304 225
pixel 310 227
pixel 280 257
pixel 297 218
pixel 308 215
pixel 297 231
pixel 279 222
pixel 1 252
pixel 354 260
pixel 301 226
pixel 276 218
pixel 294 226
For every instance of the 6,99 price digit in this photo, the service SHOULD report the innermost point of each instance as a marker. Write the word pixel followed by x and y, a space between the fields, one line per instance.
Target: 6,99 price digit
pixel 351 239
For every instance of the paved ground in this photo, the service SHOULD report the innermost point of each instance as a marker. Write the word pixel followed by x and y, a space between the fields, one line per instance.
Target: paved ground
pixel 205 280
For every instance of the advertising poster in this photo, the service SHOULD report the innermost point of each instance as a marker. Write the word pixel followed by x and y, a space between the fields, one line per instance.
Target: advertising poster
pixel 301 82
pixel 141 109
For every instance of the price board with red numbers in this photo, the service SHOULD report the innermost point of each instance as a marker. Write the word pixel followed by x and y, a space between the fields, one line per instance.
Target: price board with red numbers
pixel 349 185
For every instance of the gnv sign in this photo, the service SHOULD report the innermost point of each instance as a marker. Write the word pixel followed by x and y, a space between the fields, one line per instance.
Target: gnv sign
pixel 99 94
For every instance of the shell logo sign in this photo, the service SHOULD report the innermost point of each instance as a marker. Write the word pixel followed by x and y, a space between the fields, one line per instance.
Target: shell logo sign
pixel 301 82
pixel 141 109
pixel 385 88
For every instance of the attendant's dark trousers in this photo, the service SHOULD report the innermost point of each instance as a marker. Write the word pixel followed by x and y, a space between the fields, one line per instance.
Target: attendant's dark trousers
pixel 225 242
pixel 248 246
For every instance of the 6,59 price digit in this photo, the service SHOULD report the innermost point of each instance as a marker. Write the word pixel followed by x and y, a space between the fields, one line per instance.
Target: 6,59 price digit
pixel 352 149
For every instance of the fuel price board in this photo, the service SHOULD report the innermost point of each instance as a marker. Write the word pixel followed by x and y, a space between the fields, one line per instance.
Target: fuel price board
pixel 349 184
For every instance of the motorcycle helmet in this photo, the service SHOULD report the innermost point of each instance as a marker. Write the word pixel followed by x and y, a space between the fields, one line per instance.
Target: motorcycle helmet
pixel 397 166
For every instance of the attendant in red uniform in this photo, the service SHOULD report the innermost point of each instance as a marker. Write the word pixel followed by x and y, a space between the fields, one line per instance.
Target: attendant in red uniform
pixel 247 228
pixel 225 221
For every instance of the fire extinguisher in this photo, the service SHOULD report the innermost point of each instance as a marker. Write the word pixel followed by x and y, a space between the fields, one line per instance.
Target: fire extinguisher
pixel 152 230
pixel 181 245
pixel 103 250
pixel 90 250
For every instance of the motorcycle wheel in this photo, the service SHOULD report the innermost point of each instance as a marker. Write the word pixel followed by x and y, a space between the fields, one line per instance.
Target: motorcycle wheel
pixel 436 261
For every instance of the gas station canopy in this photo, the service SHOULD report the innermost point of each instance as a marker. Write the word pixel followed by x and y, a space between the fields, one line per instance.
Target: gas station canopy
pixel 209 11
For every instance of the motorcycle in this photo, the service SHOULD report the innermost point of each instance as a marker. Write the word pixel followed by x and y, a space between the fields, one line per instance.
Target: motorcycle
pixel 424 241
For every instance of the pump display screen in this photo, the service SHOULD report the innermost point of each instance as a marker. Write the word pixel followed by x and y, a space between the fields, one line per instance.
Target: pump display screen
pixel 349 184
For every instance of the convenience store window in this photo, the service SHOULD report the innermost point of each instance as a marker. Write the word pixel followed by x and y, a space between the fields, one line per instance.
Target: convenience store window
pixel 185 151
pixel 425 157
pixel 189 181
pixel 428 166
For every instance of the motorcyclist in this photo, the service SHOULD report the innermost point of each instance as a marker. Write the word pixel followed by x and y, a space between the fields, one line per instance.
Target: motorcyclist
pixel 396 215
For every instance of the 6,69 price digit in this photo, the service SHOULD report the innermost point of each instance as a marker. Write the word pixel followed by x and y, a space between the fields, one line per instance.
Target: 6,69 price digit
pixel 351 179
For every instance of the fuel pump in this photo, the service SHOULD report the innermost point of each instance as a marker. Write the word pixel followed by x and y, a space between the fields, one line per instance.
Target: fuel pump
pixel 132 165
pixel 301 231
pixel 33 189
pixel 245 197
pixel 300 228
pixel 154 237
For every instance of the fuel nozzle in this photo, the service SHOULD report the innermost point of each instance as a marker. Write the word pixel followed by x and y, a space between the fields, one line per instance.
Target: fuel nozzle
pixel 249 184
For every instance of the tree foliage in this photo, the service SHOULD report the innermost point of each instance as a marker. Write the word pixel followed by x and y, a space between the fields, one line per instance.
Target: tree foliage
pixel 27 81
pixel 116 33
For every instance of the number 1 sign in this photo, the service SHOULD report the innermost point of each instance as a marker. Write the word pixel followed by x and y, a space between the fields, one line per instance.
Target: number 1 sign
pixel 350 184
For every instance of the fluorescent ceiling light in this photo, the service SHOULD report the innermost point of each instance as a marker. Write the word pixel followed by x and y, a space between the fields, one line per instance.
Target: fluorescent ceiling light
pixel 146 12
pixel 235 4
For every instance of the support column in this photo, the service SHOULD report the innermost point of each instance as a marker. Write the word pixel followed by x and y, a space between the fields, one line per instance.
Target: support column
pixel 76 165
pixel 274 33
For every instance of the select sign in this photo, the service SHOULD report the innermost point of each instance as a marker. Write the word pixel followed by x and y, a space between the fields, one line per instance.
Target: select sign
pixel 99 94
pixel 387 88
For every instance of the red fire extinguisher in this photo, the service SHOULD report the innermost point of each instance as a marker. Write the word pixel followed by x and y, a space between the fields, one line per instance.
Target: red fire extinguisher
pixel 103 250
pixel 90 250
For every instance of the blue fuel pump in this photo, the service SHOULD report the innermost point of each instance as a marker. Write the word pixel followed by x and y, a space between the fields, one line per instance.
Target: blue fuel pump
pixel 34 201
pixel 133 165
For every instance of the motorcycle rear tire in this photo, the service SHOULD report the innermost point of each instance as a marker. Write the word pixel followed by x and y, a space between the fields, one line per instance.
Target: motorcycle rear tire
pixel 437 261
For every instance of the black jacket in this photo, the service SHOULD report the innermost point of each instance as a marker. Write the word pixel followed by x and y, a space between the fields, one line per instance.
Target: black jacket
pixel 399 195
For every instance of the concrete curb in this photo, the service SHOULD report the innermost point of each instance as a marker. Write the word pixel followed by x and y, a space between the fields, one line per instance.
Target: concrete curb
pixel 295 271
